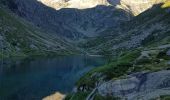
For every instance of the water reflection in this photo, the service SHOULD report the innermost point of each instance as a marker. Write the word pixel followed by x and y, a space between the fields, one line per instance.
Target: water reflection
pixel 34 78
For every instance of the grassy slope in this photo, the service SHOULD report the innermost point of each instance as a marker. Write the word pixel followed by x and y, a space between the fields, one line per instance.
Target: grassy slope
pixel 20 38
pixel 155 21
pixel 129 62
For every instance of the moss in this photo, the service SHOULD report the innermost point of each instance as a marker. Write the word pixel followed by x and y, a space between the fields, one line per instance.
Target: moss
pixel 166 4
pixel 77 96
pixel 99 97
pixel 163 55
pixel 166 97
pixel 20 34
pixel 114 69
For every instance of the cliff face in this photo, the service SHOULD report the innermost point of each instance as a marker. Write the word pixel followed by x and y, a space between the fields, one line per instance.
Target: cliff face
pixel 80 4
pixel 90 18
pixel 134 6
pixel 137 6
pixel 77 19
pixel 70 23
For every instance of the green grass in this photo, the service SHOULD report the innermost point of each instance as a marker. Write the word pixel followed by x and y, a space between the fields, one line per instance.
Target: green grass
pixel 77 96
pixel 163 97
pixel 166 97
pixel 21 34
pixel 114 69
pixel 99 97
pixel 125 64
pixel 166 4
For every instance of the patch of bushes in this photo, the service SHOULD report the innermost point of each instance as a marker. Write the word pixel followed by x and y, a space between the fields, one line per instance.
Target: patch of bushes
pixel 144 61
pixel 99 97
pixel 163 55
pixel 166 5
pixel 166 97
pixel 117 68
pixel 77 96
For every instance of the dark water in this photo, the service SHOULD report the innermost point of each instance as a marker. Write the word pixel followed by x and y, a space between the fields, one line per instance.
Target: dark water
pixel 35 78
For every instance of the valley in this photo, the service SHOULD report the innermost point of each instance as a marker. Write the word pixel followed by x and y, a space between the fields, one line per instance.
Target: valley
pixel 133 36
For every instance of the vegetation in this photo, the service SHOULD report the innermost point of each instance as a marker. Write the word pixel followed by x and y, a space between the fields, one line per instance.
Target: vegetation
pixel 166 4
pixel 77 96
pixel 99 97
pixel 126 63
pixel 21 39
pixel 114 69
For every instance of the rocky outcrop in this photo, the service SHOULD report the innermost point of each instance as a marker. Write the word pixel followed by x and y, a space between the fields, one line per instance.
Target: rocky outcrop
pixel 142 85
pixel 134 6
pixel 79 4
pixel 56 96
pixel 168 52
pixel 138 6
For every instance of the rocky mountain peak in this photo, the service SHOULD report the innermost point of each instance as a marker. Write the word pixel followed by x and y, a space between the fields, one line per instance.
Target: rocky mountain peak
pixel 138 6
pixel 79 4
pixel 134 6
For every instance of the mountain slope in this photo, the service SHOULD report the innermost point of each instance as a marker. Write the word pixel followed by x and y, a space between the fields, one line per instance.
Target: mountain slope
pixel 78 19
pixel 71 23
pixel 142 72
pixel 20 38
pixel 134 6
pixel 150 27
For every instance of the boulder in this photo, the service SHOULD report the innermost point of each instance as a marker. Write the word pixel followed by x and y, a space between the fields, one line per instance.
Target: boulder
pixel 168 52
pixel 142 85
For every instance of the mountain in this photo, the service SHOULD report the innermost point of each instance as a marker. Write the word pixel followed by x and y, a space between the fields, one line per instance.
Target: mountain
pixel 78 19
pixel 78 4
pixel 137 6
pixel 150 27
pixel 70 23
pixel 141 68
pixel 20 38
pixel 134 6
pixel 136 32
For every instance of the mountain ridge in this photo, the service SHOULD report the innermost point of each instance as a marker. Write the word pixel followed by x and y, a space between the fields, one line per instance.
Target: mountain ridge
pixel 20 38
pixel 77 24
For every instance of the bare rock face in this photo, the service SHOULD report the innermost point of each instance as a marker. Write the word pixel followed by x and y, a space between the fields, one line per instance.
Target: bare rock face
pixel 71 23
pixel 134 6
pixel 56 96
pixel 77 19
pixel 80 4
pixel 168 53
pixel 138 6
pixel 143 85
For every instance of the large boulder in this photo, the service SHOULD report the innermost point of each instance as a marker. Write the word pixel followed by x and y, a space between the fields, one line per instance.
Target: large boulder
pixel 143 85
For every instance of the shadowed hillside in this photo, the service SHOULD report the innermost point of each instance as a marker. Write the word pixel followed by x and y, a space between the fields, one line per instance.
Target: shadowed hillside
pixel 20 38
pixel 147 29
pixel 70 23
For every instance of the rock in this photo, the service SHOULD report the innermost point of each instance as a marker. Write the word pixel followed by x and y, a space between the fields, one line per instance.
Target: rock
pixel 32 46
pixel 56 96
pixel 145 86
pixel 168 52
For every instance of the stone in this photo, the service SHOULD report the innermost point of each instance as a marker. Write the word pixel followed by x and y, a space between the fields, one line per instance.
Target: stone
pixel 168 52
pixel 56 96
pixel 141 85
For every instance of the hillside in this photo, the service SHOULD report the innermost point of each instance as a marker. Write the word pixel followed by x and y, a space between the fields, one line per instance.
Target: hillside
pixel 20 38
pixel 78 19
pixel 147 29
pixel 133 34
pixel 141 70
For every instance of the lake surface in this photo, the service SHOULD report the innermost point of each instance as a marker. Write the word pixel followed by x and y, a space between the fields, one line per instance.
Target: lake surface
pixel 35 78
